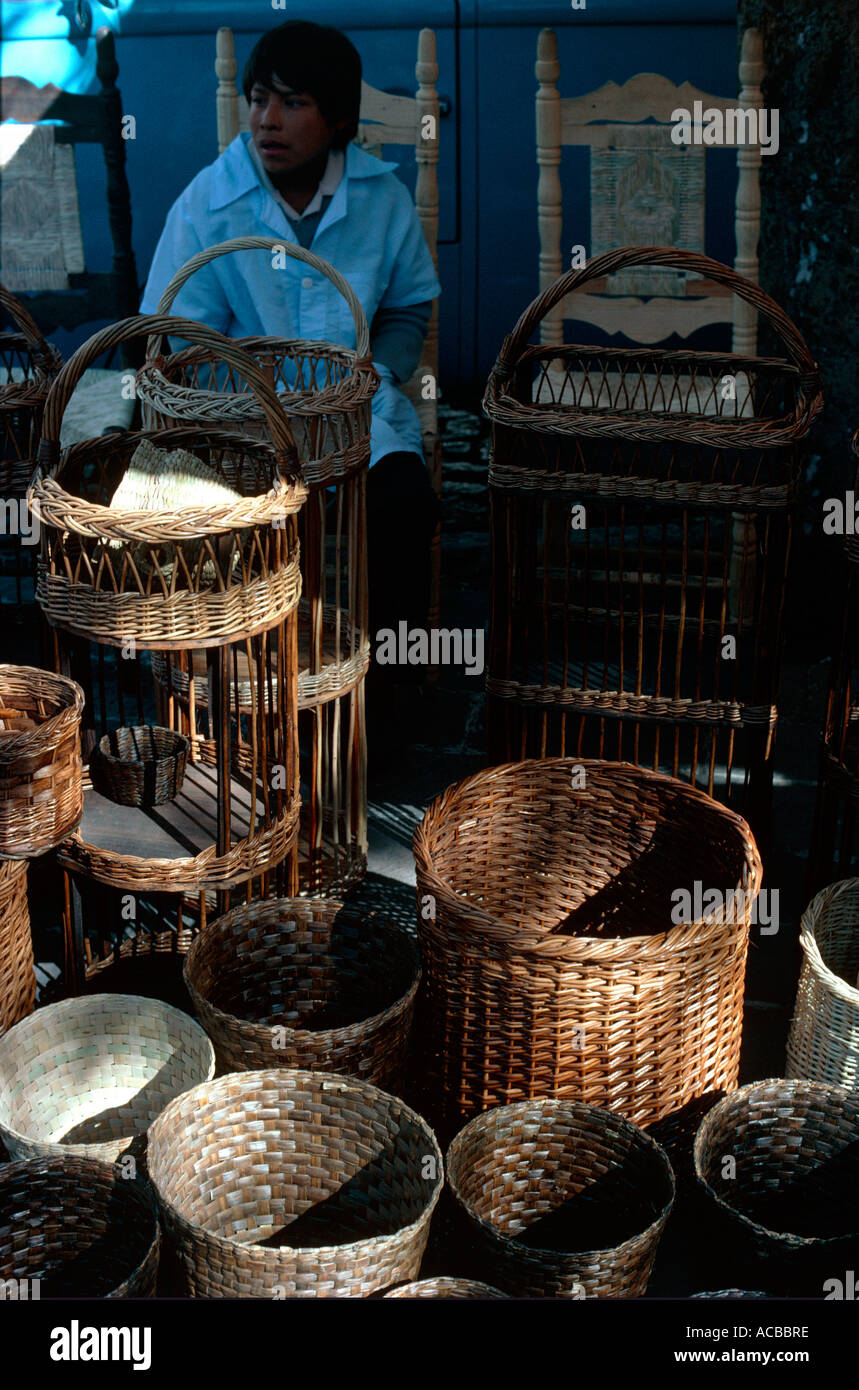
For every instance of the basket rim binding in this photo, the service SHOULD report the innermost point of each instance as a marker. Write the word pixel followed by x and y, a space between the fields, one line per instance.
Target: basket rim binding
pixel 27 741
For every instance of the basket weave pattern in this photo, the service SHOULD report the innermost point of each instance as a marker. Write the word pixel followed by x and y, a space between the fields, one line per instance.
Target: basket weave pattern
pixel 823 1044
pixel 17 976
pixel 41 772
pixel 142 765
pixel 29 365
pixel 446 1288
pixel 229 1162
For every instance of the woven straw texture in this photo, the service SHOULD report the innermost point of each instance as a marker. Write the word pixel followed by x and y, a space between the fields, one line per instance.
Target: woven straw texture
pixel 445 1288
pixel 277 1184
pixel 551 965
pixel 28 365
pixel 796 1149
pixel 17 976
pixel 823 1043
pixel 41 773
pixel 142 765
pixel 562 1199
pixel 731 1293
pixel 201 575
pixel 79 1227
pixel 87 1076
pixel 303 983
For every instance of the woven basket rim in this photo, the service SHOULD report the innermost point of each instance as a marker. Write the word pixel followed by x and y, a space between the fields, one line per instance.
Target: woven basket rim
pixel 787 1238
pixel 61 688
pixel 320 1037
pixel 328 1081
pixel 519 940
pixel 559 1256
pixel 811 917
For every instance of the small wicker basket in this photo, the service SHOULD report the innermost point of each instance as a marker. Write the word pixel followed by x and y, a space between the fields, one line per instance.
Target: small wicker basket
pixel 41 772
pixel 79 1228
pixel 28 365
pixel 562 1200
pixel 823 1043
pixel 17 973
pixel 303 983
pixel 446 1288
pixel 298 1184
pixel 88 1075
pixel 143 765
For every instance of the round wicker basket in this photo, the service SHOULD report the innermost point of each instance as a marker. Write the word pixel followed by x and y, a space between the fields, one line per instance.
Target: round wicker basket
pixel 298 1184
pixel 561 1199
pixel 302 983
pixel 823 1043
pixel 17 973
pixel 554 963
pixel 41 772
pixel 143 765
pixel 28 365
pixel 87 1076
pixel 446 1288
pixel 79 1228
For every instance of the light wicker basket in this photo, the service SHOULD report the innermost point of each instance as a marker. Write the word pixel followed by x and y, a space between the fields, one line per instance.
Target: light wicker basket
pixel 550 963
pixel 79 1228
pixel 561 1199
pixel 28 365
pixel 142 765
pixel 17 973
pixel 201 576
pixel 304 983
pixel 41 772
pixel 823 1043
pixel 446 1288
pixel 87 1076
pixel 294 1184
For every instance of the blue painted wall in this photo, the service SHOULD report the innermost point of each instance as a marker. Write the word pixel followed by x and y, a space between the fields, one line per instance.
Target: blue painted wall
pixel 488 174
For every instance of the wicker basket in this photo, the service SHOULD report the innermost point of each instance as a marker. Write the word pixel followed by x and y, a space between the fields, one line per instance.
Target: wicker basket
pixel 561 1199
pixel 731 1293
pixel 823 1044
pixel 550 963
pixel 28 365
pixel 446 1288
pixel 303 983
pixel 789 1200
pixel 140 766
pixel 190 577
pixel 345 1173
pixel 79 1228
pixel 17 975
pixel 87 1076
pixel 41 773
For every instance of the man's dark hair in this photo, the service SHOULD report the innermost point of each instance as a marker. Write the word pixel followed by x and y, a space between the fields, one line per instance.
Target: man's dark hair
pixel 311 58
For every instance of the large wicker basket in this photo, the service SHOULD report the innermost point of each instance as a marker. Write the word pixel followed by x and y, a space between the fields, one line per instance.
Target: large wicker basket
pixel 788 1204
pixel 87 1076
pixel 78 1228
pixel 28 365
pixel 823 1043
pixel 201 576
pixel 17 975
pixel 41 773
pixel 282 1184
pixel 561 1199
pixel 550 963
pixel 303 983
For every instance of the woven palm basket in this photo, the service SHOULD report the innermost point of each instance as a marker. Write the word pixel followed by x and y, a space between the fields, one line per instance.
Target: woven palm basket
pixel 201 575
pixel 445 1288
pixel 87 1076
pixel 561 1199
pixel 28 365
pixel 823 1043
pixel 551 964
pixel 789 1202
pixel 79 1228
pixel 294 1184
pixel 303 983
pixel 41 772
pixel 142 765
pixel 17 973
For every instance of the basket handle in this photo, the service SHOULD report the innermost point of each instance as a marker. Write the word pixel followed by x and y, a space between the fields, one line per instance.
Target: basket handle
pixel 197 333
pixel 16 311
pixel 264 243
pixel 674 259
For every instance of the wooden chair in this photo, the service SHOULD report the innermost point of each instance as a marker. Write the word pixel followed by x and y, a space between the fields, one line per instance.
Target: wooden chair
pixel 384 120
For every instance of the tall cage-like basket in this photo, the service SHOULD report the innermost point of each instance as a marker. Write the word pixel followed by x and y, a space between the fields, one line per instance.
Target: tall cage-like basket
pixel 642 503
pixel 326 392
pixel 122 586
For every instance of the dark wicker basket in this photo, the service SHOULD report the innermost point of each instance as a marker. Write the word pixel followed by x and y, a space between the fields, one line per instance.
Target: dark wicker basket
pixel 562 1199
pixel 303 983
pixel 78 1227
pixel 142 765
pixel 25 354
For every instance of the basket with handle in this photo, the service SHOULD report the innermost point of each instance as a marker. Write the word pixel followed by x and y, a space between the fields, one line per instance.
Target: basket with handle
pixel 823 1043
pixel 17 973
pixel 41 771
pixel 202 576
pixel 28 365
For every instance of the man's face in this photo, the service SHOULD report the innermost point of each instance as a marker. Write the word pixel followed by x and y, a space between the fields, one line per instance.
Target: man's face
pixel 287 127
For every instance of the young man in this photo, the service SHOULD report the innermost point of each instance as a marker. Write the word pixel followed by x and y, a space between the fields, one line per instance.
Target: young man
pixel 297 176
